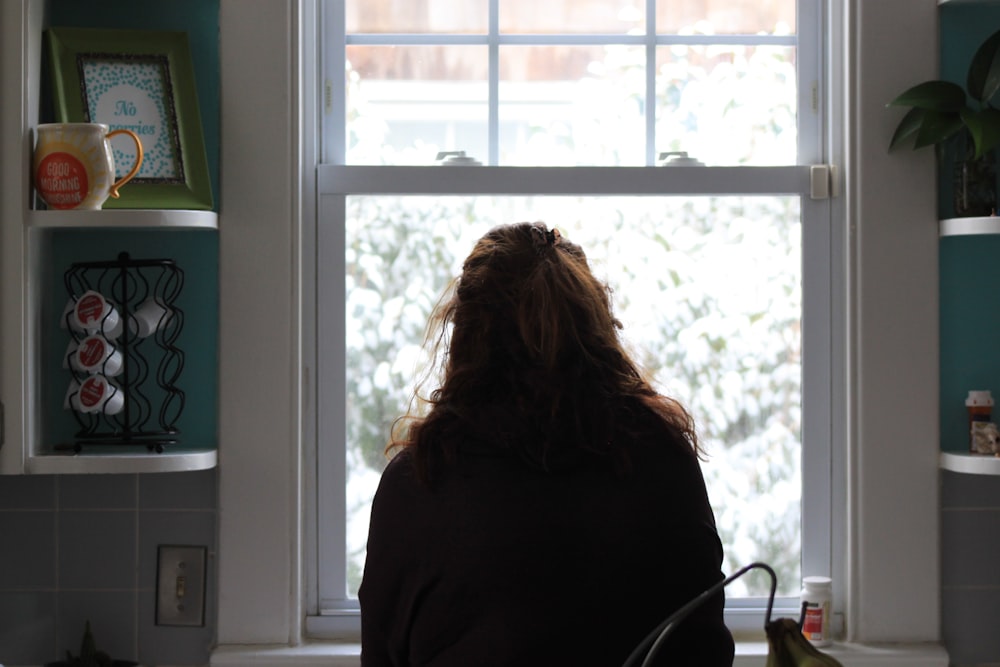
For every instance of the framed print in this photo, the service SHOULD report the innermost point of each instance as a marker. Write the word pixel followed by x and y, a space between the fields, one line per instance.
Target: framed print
pixel 142 81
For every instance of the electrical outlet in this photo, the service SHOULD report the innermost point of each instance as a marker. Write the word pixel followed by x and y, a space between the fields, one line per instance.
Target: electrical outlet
pixel 180 585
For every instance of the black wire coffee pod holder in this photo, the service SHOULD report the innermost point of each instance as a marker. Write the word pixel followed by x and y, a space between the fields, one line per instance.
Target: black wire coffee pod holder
pixel 123 321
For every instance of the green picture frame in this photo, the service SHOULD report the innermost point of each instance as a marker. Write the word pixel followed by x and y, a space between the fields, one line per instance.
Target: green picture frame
pixel 141 80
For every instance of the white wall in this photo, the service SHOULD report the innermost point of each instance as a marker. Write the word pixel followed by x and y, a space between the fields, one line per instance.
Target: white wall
pixel 891 500
pixel 259 325
pixel 893 478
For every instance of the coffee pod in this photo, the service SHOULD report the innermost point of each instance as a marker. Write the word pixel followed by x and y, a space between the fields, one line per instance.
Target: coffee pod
pixel 92 313
pixel 99 394
pixel 149 317
pixel 94 355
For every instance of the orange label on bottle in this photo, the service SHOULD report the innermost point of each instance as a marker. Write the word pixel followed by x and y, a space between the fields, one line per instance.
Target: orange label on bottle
pixel 812 624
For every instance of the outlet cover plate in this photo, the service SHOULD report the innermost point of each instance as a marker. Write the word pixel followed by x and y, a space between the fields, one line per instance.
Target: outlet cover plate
pixel 180 585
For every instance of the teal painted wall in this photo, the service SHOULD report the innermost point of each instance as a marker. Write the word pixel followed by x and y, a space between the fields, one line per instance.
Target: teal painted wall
pixel 969 265
pixel 195 252
pixel 970 330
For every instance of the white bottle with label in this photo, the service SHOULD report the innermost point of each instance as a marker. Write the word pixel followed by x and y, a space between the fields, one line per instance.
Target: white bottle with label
pixel 817 596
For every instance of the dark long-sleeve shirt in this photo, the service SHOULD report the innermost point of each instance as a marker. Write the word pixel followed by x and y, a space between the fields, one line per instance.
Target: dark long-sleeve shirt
pixel 498 563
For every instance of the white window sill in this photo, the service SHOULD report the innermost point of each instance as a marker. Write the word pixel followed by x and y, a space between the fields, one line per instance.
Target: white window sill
pixel 748 654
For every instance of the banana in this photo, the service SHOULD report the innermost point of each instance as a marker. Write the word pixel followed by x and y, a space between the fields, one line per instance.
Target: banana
pixel 778 654
pixel 787 647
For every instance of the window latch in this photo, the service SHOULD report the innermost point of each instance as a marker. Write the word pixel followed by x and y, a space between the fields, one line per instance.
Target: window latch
pixel 678 159
pixel 823 183
pixel 455 159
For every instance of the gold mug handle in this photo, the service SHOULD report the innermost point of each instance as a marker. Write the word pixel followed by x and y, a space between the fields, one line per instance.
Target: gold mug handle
pixel 113 190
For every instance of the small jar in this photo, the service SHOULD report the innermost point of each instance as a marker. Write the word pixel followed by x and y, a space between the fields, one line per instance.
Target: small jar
pixel 817 595
pixel 979 404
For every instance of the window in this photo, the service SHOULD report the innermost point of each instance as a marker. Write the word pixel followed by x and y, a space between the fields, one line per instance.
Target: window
pixel 572 114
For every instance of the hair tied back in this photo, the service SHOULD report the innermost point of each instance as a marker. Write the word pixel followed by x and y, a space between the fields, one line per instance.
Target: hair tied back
pixel 543 238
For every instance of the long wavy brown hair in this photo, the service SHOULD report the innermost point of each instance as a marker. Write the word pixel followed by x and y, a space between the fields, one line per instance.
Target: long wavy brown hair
pixel 526 349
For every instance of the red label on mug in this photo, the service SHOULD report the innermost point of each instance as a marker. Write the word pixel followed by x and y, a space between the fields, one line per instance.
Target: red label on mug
pixel 62 180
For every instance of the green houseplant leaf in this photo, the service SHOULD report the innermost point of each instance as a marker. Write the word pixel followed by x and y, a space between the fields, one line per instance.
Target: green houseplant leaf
pixel 984 126
pixel 983 79
pixel 933 95
pixel 925 127
pixel 936 127
pixel 963 126
pixel 939 109
pixel 907 128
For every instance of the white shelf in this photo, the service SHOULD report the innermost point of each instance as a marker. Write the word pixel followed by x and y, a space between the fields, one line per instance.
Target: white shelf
pixel 968 226
pixel 970 464
pixel 114 460
pixel 121 218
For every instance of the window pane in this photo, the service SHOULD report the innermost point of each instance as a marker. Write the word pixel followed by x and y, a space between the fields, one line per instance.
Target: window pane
pixel 572 16
pixel 708 290
pixel 572 105
pixel 727 105
pixel 417 16
pixel 407 103
pixel 726 17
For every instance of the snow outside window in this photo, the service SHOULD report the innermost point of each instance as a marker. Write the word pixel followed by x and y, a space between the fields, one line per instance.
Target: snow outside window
pixel 570 108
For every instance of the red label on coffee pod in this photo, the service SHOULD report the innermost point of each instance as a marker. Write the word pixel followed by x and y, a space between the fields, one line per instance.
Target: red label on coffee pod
pixel 92 392
pixel 90 308
pixel 61 179
pixel 91 352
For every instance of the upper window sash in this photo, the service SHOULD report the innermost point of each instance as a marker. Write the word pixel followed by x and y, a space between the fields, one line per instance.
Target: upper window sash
pixel 810 19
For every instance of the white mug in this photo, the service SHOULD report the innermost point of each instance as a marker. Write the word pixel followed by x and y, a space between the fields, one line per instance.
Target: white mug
pixel 74 166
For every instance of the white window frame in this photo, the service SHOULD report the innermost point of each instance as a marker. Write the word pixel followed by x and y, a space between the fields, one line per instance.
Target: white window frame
pixel 886 433
pixel 331 614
